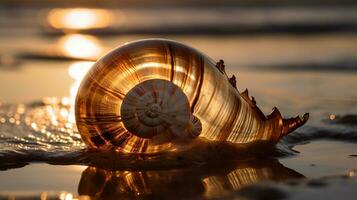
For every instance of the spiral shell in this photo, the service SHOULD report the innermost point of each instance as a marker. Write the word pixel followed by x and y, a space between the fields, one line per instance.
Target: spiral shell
pixel 158 95
pixel 157 108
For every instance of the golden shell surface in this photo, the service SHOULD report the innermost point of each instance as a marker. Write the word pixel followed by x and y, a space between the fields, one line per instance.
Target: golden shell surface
pixel 216 110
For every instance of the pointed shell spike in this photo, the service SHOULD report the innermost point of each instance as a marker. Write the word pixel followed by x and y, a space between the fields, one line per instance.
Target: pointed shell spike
pixel 291 124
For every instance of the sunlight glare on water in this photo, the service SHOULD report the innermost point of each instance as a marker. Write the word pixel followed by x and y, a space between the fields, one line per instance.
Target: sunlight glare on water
pixel 79 18
pixel 47 124
pixel 81 46
pixel 77 71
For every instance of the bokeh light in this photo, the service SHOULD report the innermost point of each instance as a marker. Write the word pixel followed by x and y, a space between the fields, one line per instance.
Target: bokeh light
pixel 79 18
pixel 80 46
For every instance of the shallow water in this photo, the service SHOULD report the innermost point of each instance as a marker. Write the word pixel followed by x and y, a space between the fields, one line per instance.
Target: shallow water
pixel 323 158
pixel 297 73
pixel 43 131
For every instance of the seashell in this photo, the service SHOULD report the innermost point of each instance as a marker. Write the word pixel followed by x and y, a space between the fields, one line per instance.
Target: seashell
pixel 158 95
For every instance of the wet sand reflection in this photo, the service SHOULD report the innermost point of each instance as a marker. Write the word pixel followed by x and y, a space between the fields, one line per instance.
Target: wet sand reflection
pixel 204 181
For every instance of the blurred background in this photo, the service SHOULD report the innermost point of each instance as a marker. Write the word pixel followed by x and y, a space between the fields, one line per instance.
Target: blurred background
pixel 47 45
pixel 298 55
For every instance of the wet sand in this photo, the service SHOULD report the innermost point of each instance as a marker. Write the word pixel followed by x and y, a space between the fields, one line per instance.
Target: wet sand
pixel 306 175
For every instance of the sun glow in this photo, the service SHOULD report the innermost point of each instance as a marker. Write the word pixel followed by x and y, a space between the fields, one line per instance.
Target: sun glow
pixel 79 18
pixel 81 46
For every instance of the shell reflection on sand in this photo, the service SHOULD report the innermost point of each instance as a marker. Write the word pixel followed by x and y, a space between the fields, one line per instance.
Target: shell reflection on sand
pixel 208 181
pixel 79 18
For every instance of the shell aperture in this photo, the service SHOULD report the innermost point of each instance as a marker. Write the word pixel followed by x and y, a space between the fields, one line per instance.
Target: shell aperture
pixel 158 95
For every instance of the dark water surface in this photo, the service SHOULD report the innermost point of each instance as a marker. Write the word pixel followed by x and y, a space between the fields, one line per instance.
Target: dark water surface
pixel 42 155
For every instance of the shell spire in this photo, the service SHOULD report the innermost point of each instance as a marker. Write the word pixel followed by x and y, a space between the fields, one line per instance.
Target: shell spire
pixel 291 124
pixel 287 125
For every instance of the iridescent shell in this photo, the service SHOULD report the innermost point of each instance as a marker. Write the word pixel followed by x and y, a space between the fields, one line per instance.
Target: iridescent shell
pixel 158 95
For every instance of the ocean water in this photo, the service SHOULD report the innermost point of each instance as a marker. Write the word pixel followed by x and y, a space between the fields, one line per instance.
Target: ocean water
pixel 43 156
